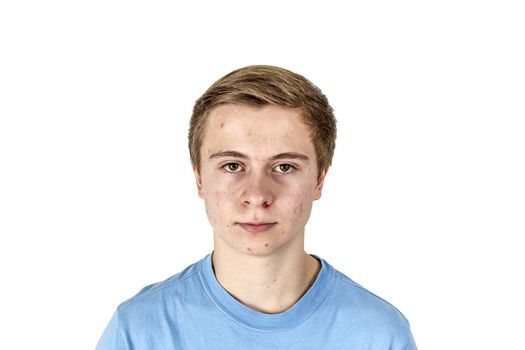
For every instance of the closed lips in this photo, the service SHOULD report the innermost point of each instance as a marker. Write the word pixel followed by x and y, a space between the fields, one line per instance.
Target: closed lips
pixel 260 227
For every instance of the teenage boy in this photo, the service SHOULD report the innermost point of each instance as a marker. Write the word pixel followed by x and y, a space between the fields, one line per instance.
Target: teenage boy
pixel 261 141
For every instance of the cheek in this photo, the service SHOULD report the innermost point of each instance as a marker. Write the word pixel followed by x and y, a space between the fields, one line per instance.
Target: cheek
pixel 299 209
pixel 216 188
pixel 218 204
pixel 219 185
pixel 302 209
pixel 298 204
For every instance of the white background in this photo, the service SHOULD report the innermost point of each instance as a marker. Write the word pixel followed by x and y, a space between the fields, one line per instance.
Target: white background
pixel 424 204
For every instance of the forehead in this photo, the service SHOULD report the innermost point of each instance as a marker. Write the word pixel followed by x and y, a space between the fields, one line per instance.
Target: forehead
pixel 268 128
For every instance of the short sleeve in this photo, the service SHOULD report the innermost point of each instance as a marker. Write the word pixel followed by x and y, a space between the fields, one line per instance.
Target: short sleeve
pixel 411 343
pixel 113 336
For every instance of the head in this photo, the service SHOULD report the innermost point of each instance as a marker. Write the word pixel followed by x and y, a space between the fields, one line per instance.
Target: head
pixel 261 141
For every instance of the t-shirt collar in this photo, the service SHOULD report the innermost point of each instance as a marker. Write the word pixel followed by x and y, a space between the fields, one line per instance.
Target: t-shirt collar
pixel 287 319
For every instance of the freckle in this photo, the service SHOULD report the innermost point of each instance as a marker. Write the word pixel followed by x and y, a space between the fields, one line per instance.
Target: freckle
pixel 249 249
pixel 275 280
pixel 266 245
pixel 222 124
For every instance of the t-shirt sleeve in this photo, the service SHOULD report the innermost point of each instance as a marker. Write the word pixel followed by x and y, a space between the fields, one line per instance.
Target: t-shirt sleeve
pixel 411 344
pixel 113 337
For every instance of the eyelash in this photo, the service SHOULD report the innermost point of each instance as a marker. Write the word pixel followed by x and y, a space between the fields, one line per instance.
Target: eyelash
pixel 292 168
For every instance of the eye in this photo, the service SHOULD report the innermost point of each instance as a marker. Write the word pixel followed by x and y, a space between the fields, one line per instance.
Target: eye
pixel 232 167
pixel 284 168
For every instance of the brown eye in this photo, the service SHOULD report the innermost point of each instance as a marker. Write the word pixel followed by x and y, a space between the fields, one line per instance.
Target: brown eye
pixel 284 168
pixel 232 167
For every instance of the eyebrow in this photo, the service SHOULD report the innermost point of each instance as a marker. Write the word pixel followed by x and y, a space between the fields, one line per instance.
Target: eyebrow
pixel 285 155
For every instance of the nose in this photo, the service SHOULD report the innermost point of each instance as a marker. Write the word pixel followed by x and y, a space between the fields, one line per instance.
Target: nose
pixel 257 191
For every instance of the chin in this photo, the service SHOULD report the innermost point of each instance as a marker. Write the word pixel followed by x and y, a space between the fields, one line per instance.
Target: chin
pixel 259 252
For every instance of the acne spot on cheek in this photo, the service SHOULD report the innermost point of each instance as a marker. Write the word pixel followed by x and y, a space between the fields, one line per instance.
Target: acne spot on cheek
pixel 222 124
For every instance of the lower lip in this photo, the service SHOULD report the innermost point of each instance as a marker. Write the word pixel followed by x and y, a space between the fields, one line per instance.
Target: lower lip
pixel 257 228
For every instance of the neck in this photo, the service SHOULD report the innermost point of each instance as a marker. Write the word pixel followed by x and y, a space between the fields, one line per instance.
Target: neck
pixel 269 284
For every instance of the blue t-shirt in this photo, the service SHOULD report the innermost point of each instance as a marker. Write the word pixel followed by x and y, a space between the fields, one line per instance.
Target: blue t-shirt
pixel 191 310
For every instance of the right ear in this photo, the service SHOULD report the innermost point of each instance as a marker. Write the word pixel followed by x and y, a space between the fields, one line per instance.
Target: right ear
pixel 198 180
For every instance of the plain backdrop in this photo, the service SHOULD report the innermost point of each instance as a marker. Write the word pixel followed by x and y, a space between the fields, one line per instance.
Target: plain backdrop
pixel 424 204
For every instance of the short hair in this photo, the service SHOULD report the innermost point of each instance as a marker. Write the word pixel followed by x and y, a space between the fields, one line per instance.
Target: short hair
pixel 260 85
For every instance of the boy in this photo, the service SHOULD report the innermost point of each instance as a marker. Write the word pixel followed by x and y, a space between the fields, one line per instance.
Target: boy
pixel 261 141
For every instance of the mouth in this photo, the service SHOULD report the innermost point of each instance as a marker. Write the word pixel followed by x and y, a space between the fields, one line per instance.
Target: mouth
pixel 257 227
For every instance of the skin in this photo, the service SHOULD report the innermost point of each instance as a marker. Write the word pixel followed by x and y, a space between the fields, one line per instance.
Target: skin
pixel 268 271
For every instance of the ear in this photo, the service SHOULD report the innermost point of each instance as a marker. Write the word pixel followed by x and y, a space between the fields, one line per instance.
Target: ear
pixel 198 180
pixel 320 183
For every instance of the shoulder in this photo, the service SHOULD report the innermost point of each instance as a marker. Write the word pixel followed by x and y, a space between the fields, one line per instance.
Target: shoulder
pixel 156 295
pixel 142 319
pixel 360 306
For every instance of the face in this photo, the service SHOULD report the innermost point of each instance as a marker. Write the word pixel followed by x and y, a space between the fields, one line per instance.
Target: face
pixel 258 178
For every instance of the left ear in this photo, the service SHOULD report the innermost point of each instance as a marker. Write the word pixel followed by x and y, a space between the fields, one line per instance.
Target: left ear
pixel 320 183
